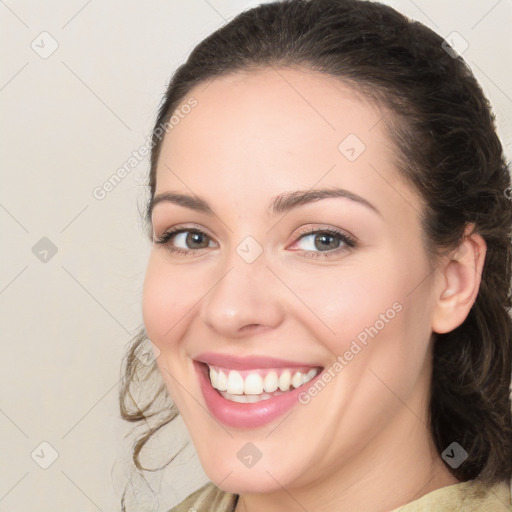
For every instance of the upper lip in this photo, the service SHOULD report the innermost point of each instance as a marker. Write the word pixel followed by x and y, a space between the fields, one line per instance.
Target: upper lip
pixel 247 363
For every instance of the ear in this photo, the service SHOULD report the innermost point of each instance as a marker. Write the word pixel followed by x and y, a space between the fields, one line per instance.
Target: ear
pixel 459 277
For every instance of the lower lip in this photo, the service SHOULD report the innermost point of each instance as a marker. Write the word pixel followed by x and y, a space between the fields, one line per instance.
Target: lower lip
pixel 239 415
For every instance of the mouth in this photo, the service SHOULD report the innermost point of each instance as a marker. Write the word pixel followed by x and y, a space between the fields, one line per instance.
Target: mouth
pixel 250 386
pixel 254 397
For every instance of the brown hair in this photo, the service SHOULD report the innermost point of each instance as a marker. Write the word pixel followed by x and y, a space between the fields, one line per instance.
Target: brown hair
pixel 447 149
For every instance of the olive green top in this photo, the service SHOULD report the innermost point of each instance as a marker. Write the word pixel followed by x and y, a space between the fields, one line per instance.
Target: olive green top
pixel 468 496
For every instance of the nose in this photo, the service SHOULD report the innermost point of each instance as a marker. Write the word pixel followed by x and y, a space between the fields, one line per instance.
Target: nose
pixel 246 298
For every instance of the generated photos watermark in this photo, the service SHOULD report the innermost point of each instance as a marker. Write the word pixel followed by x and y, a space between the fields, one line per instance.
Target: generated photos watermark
pixel 356 346
pixel 101 191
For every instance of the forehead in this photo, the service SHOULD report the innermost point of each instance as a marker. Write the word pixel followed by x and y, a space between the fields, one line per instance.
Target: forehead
pixel 284 105
pixel 273 129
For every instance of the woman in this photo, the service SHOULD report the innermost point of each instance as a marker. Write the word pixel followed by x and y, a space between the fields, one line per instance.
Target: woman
pixel 328 290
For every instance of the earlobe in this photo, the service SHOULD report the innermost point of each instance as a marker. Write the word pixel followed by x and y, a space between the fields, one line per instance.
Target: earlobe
pixel 458 282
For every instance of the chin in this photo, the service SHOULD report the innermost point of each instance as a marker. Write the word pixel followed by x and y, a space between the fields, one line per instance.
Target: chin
pixel 232 476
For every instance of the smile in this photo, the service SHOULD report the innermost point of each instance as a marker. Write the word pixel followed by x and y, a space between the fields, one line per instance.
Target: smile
pixel 250 392
pixel 254 385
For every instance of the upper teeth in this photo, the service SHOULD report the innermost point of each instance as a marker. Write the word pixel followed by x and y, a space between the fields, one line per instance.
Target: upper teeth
pixel 255 383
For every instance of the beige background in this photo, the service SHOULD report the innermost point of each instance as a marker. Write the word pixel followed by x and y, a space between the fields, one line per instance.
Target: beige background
pixel 70 120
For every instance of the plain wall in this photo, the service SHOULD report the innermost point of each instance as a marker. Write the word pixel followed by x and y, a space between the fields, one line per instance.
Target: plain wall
pixel 69 121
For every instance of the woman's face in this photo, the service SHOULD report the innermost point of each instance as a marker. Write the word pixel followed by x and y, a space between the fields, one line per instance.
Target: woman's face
pixel 266 280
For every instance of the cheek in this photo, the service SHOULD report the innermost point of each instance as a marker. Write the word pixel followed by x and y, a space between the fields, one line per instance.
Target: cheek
pixel 382 335
pixel 167 301
pixel 344 304
pixel 359 309
pixel 166 298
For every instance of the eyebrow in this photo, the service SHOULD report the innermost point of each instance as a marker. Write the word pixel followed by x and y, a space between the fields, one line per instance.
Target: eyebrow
pixel 279 204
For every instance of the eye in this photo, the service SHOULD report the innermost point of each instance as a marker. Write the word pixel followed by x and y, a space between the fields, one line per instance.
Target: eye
pixel 190 238
pixel 322 243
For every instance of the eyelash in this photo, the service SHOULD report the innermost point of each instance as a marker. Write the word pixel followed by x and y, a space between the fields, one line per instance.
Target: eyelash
pixel 349 241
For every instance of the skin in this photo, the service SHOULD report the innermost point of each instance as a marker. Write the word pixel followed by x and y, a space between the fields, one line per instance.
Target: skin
pixel 362 443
